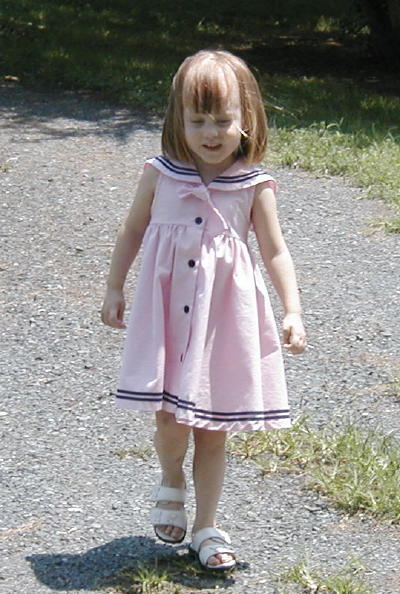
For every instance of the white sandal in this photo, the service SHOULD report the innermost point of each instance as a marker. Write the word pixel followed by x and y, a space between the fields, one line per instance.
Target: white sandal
pixel 168 517
pixel 220 546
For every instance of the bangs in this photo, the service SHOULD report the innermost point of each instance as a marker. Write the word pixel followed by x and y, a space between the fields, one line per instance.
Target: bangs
pixel 208 87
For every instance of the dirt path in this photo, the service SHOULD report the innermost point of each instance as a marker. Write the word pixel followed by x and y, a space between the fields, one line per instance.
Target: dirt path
pixel 75 508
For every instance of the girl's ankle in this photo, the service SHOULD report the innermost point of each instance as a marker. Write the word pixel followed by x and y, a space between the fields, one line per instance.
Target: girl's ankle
pixel 200 526
pixel 176 481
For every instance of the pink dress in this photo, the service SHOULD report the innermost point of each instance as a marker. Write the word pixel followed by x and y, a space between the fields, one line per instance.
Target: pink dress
pixel 202 341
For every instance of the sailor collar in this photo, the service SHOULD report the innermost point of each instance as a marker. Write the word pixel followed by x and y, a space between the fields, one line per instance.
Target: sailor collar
pixel 237 176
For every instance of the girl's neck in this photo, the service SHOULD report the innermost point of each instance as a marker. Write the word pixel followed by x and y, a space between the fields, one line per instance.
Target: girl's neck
pixel 209 171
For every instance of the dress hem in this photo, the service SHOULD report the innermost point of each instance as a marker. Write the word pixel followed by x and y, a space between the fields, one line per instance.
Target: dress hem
pixel 266 421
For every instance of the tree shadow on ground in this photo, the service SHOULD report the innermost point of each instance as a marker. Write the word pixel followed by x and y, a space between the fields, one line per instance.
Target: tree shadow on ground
pixel 305 53
pixel 115 564
pixel 62 114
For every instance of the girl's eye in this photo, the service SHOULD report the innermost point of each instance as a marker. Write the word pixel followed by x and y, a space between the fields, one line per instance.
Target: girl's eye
pixel 223 122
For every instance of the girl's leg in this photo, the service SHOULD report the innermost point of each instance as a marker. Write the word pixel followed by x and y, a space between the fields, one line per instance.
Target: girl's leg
pixel 208 476
pixel 171 442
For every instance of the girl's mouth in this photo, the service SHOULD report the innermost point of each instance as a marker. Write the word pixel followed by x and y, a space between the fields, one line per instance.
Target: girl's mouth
pixel 212 147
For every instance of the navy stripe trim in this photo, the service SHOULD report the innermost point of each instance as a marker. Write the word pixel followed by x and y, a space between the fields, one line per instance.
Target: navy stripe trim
pixel 176 168
pixel 226 179
pixel 144 393
pixel 265 417
pixel 164 159
pixel 221 179
pixel 178 399
pixel 201 413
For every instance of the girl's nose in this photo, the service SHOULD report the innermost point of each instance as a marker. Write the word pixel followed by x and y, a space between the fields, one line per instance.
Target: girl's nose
pixel 210 129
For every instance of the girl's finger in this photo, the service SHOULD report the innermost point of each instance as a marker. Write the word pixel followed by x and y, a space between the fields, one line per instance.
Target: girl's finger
pixel 286 335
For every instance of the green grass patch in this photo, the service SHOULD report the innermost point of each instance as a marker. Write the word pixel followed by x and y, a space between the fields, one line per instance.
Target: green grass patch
pixel 388 225
pixel 328 127
pixel 305 579
pixel 177 574
pixel 145 579
pixel 311 65
pixel 321 148
pixel 359 471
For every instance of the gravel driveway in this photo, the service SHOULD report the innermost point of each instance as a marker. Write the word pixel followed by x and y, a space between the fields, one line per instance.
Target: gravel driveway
pixel 74 507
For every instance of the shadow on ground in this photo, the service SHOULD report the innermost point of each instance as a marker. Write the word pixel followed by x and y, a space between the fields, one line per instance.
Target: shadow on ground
pixel 85 115
pixel 118 564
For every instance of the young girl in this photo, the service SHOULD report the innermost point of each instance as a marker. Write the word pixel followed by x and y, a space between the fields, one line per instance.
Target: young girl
pixel 202 349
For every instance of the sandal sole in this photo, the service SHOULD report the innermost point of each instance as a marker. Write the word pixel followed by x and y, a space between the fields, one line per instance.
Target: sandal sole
pixel 172 541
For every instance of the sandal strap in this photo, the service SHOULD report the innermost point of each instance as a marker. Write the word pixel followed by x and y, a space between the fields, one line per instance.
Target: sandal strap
pixel 161 493
pixel 168 517
pixel 210 550
pixel 205 533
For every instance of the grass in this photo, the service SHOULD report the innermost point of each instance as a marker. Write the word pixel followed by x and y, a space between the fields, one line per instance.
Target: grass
pixel 395 387
pixel 308 580
pixel 177 575
pixel 138 451
pixel 167 575
pixel 359 471
pixel 143 579
pixel 328 127
pixel 332 109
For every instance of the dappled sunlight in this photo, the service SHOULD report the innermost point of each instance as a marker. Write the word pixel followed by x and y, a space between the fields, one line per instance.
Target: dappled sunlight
pixel 303 101
pixel 332 105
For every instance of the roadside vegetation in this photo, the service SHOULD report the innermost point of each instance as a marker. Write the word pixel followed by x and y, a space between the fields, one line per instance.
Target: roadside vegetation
pixel 177 575
pixel 357 470
pixel 169 574
pixel 333 108
pixel 304 578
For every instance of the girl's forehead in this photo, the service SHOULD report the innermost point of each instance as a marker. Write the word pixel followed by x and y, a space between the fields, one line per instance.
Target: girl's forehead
pixel 228 108
pixel 211 89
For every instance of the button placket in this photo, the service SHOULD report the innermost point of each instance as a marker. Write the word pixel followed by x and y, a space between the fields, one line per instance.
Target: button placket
pixel 188 258
pixel 187 308
pixel 188 280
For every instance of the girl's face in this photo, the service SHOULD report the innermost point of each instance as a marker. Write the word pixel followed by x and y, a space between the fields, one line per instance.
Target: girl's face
pixel 214 137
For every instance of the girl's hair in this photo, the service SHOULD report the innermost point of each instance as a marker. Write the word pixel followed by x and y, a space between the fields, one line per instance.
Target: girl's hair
pixel 204 81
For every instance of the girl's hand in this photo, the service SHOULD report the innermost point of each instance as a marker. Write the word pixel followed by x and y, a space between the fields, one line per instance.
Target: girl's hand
pixel 112 312
pixel 294 334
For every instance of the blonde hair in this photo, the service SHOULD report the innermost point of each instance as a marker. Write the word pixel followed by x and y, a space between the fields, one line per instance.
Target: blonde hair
pixel 204 81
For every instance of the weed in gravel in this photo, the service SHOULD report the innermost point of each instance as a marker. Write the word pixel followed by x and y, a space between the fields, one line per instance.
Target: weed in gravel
pixel 359 471
pixel 143 452
pixel 311 580
pixel 389 225
pixel 395 387
pixel 143 580
pixel 167 575
pixel 392 388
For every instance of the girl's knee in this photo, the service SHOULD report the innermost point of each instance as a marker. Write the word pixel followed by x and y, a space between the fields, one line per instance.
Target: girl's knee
pixel 167 425
pixel 210 440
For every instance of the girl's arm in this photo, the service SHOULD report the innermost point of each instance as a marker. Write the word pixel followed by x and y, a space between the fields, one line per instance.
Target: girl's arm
pixel 279 264
pixel 127 245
